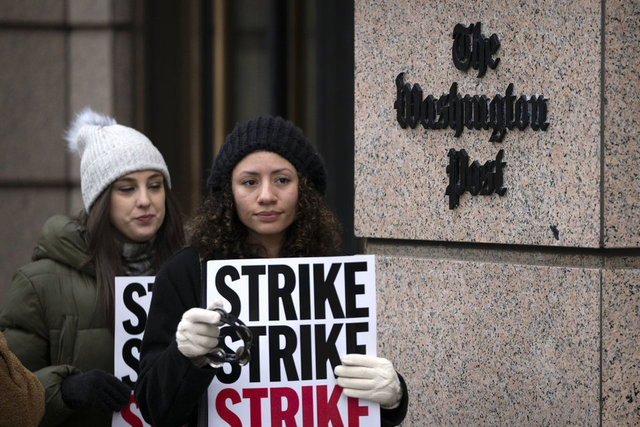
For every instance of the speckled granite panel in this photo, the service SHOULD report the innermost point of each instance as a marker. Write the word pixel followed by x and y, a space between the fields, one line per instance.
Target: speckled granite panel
pixel 492 344
pixel 621 124
pixel 621 347
pixel 549 48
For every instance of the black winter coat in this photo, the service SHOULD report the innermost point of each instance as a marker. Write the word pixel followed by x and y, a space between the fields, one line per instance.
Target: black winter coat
pixel 169 386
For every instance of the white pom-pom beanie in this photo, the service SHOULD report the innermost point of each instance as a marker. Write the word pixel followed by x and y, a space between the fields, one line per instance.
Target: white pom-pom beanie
pixel 108 151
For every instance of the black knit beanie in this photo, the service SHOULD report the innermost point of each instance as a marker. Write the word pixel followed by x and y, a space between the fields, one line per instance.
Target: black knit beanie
pixel 267 133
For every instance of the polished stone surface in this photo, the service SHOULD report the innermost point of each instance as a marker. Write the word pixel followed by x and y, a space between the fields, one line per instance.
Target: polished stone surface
pixel 492 344
pixel 553 177
pixel 621 123
pixel 620 343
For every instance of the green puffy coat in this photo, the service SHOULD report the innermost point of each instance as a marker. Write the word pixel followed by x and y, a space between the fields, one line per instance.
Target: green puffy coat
pixel 48 319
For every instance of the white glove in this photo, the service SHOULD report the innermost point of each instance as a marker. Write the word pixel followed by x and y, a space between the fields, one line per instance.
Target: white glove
pixel 198 332
pixel 369 377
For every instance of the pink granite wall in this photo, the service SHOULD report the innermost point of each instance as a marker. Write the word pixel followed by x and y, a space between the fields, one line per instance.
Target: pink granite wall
pixel 521 308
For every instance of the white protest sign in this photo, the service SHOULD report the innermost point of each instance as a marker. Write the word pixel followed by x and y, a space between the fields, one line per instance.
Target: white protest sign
pixel 304 314
pixel 132 301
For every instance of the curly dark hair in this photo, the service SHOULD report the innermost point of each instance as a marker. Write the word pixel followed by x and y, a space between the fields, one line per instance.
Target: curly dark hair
pixel 216 231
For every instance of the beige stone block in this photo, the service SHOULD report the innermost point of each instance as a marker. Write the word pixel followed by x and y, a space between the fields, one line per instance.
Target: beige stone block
pixel 552 177
pixel 491 344
pixel 32 114
pixel 621 123
pixel 90 12
pixel 22 214
pixel 91 76
pixel 32 11
pixel 621 347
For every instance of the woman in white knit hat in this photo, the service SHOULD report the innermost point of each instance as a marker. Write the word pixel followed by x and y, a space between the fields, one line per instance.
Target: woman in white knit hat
pixel 58 317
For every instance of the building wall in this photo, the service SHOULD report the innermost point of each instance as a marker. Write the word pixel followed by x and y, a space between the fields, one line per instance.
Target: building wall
pixel 56 57
pixel 520 308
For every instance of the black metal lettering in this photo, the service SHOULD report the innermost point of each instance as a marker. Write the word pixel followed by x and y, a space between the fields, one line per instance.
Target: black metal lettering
pixel 498 175
pixel 414 107
pixel 483 112
pixel 486 178
pixel 509 101
pixel 474 178
pixel 458 161
pixel 400 104
pixel 472 49
pixel 456 120
pixel 461 50
pixel 443 111
pixel 428 112
pixel 497 119
pixel 539 113
pixel 522 112
pixel 533 103
pixel 452 110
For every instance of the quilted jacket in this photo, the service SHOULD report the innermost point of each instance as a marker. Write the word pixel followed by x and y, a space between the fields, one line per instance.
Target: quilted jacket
pixel 48 318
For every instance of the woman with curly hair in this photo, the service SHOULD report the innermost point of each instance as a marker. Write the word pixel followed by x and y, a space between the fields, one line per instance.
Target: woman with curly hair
pixel 266 199
pixel 217 230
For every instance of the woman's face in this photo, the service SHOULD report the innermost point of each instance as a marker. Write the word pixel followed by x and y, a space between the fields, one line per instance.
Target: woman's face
pixel 265 191
pixel 138 205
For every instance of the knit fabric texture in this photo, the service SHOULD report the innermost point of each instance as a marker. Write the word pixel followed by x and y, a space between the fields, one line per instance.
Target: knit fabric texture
pixel 268 133
pixel 109 151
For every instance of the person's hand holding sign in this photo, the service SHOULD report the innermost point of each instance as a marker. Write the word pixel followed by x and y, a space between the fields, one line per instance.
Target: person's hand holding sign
pixel 369 377
pixel 198 332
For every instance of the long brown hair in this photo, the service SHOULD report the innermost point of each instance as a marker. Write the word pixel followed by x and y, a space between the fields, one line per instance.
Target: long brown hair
pixel 104 248
pixel 216 231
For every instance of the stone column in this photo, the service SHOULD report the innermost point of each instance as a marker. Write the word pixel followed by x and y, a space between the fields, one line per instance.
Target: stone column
pixel 56 57
pixel 520 306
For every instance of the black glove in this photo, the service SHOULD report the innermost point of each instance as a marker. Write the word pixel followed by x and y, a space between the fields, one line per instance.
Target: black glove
pixel 95 389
